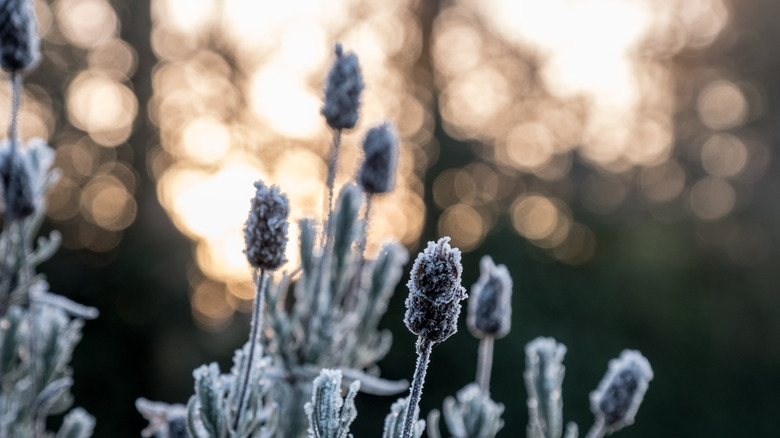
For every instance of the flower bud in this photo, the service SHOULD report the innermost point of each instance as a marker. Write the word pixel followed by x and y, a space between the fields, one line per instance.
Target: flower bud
pixel 490 303
pixel 618 396
pixel 17 185
pixel 342 91
pixel 19 41
pixel 435 293
pixel 380 158
pixel 265 232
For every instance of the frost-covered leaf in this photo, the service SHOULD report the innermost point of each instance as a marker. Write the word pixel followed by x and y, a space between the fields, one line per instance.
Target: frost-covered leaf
pixel 329 415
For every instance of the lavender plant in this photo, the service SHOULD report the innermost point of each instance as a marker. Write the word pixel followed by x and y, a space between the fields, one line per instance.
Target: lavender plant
pixel 324 313
pixel 324 316
pixel 38 329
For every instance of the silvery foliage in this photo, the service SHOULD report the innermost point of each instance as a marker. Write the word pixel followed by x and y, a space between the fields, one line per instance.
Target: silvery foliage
pixel 165 421
pixel 544 372
pixel 211 411
pixel 471 415
pixel 338 298
pixel 394 421
pixel 38 329
pixel 329 415
pixel 323 314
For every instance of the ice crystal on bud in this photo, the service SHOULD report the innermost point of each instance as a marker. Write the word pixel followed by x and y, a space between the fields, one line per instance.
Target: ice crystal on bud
pixel 342 92
pixel 265 232
pixel 19 41
pixel 380 150
pixel 618 396
pixel 435 293
pixel 490 302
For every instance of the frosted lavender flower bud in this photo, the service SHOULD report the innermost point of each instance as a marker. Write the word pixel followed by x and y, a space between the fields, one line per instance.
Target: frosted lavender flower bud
pixel 435 293
pixel 19 41
pixel 490 303
pixel 17 185
pixel 342 91
pixel 380 157
pixel 618 396
pixel 265 232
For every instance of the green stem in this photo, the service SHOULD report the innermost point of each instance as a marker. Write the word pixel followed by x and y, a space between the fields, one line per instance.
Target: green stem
pixel 332 170
pixel 597 431
pixel 254 343
pixel 485 364
pixel 16 99
pixel 424 347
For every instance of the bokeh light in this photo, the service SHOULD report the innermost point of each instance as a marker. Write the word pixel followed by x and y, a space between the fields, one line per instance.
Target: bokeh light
pixel 572 108
pixel 238 99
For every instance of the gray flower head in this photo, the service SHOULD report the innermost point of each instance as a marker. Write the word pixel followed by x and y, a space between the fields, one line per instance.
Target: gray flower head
pixel 17 184
pixel 618 396
pixel 380 159
pixel 19 41
pixel 342 91
pixel 265 232
pixel 490 302
pixel 435 293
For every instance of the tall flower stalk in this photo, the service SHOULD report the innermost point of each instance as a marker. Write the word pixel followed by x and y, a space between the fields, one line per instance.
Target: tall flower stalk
pixel 432 310
pixel 490 314
pixel 265 235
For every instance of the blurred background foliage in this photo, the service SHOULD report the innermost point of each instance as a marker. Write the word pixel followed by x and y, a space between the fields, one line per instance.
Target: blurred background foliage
pixel 618 156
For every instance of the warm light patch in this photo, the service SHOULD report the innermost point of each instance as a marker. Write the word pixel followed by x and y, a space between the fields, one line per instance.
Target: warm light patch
pixel 664 182
pixel 724 155
pixel 464 225
pixel 86 23
pixel 534 216
pixel 184 15
pixel 205 141
pixel 712 198
pixel 281 100
pixel 722 105
pixel 102 107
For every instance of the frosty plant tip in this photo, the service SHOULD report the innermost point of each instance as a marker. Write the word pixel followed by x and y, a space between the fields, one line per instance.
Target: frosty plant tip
pixel 432 310
pixel 490 314
pixel 616 400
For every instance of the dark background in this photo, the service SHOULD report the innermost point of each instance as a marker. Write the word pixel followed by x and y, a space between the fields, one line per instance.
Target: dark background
pixel 709 327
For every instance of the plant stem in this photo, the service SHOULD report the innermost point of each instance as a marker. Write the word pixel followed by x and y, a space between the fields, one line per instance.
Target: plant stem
pixel 327 236
pixel 485 364
pixel 359 278
pixel 16 99
pixel 597 431
pixel 254 341
pixel 332 178
pixel 424 347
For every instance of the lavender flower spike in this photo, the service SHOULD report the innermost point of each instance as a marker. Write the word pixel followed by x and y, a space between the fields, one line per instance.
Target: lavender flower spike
pixel 618 396
pixel 16 182
pixel 433 305
pixel 342 91
pixel 19 41
pixel 380 151
pixel 265 232
pixel 490 303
